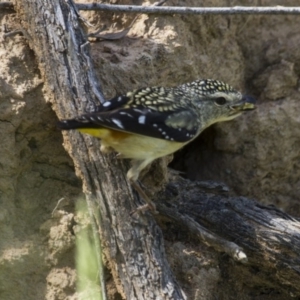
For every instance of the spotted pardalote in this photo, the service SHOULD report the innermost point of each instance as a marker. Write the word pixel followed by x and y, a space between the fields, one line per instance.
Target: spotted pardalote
pixel 152 122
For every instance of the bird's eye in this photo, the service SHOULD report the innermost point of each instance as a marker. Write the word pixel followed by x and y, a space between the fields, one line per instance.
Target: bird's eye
pixel 220 101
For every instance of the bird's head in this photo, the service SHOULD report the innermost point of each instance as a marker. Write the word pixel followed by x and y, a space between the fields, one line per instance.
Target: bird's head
pixel 218 101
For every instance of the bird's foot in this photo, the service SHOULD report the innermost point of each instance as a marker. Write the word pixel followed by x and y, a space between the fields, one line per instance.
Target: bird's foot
pixel 150 205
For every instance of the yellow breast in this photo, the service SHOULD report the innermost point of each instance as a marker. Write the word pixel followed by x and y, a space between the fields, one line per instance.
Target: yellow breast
pixel 133 145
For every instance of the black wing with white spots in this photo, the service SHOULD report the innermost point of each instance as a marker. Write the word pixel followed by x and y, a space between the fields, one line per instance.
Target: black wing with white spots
pixel 141 121
pixel 113 104
pixel 156 98
pixel 162 113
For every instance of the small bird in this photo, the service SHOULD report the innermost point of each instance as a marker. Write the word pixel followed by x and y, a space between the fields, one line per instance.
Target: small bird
pixel 152 122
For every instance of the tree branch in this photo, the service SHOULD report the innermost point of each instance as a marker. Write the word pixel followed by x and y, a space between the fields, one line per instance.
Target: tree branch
pixel 206 237
pixel 238 226
pixel 190 10
pixel 133 247
pixel 6 5
pixel 235 10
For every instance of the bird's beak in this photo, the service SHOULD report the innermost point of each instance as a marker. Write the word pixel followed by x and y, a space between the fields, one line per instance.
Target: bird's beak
pixel 247 103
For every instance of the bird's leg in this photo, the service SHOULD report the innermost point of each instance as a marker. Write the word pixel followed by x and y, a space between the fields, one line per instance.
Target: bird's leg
pixel 149 204
pixel 132 176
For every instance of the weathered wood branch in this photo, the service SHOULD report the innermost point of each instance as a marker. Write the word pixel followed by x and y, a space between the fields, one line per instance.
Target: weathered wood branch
pixel 269 237
pixel 133 247
pixel 257 10
pixel 8 6
pixel 235 10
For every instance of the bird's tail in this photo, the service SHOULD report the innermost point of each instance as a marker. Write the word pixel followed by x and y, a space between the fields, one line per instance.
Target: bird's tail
pixel 74 124
pixel 84 127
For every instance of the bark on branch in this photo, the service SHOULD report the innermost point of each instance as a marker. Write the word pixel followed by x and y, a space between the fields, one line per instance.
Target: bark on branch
pixel 235 10
pixel 134 247
pixel 275 10
pixel 268 237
